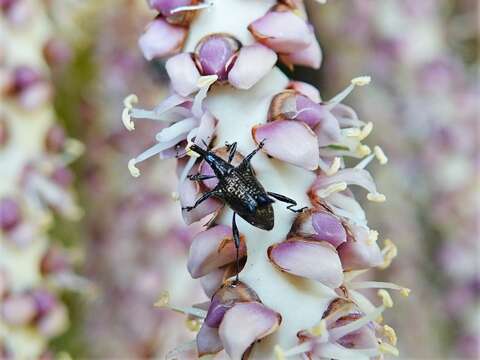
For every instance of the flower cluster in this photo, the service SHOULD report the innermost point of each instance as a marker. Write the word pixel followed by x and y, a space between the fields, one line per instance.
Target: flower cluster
pixel 296 286
pixel 431 90
pixel 36 183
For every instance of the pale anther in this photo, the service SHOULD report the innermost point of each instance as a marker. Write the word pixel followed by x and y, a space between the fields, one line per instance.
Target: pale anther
pixel 134 171
pixel 380 155
pixel 361 80
pixel 376 197
pixel 386 298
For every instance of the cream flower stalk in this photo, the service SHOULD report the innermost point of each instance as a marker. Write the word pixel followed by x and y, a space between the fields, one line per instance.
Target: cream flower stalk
pixel 34 155
pixel 226 89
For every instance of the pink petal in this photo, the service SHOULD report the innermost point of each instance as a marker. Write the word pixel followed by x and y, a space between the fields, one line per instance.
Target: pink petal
pixel 183 74
pixel 253 63
pixel 282 31
pixel 321 226
pixel 329 228
pixel 311 56
pixel 161 39
pixel 189 193
pixel 228 295
pixel 328 130
pixel 208 341
pixel 363 338
pixel 244 324
pixel 206 129
pixel 212 249
pixel 358 252
pixel 53 323
pixel 351 176
pixel 35 95
pixel 215 54
pixel 206 169
pixel 316 260
pixel 345 115
pixel 18 309
pixel 212 281
pixel 10 214
pixel 310 112
pixel 306 89
pixel 290 141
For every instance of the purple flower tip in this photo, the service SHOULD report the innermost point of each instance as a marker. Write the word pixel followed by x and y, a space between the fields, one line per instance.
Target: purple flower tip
pixel 9 214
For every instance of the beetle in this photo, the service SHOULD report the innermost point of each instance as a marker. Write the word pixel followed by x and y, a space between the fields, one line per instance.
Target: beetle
pixel 239 188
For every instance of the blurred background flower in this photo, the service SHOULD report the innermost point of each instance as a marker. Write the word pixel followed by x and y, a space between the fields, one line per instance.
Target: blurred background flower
pixel 424 61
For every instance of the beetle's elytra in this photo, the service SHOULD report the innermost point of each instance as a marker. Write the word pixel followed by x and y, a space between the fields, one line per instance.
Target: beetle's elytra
pixel 239 188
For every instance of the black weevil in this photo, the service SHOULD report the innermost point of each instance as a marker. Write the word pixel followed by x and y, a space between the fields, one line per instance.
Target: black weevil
pixel 239 188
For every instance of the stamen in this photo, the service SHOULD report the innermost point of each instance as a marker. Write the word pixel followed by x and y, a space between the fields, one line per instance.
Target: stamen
pixel 134 171
pixel 375 285
pixel 405 292
pixel 366 130
pixel 200 6
pixel 341 331
pixel 175 130
pixel 164 302
pixel 361 301
pixel 323 193
pixel 388 349
pixel 127 111
pixel 376 197
pixel 386 298
pixel 361 80
pixel 389 252
pixel 352 132
pixel 372 237
pixel 358 81
pixel 207 80
pixel 335 351
pixel 363 164
pixel 204 83
pixel 319 329
pixel 362 150
pixel 299 349
pixel 152 151
pixel 390 334
pixel 334 167
pixel 380 155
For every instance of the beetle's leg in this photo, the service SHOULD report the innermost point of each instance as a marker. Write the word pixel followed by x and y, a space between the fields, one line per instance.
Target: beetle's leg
pixel 200 177
pixel 287 200
pixel 232 148
pixel 249 157
pixel 201 199
pixel 236 239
